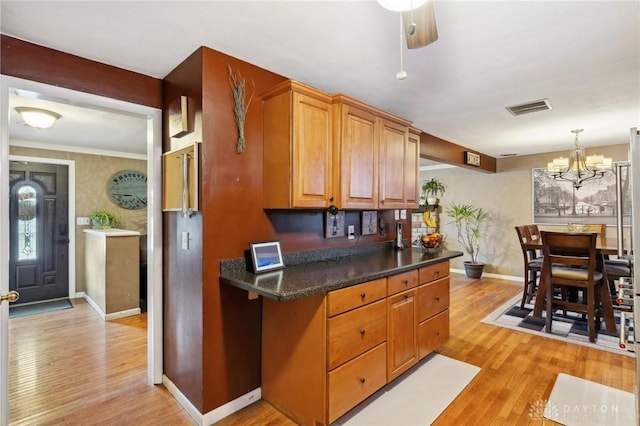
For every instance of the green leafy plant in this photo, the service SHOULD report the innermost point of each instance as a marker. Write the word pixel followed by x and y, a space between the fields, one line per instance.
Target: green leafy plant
pixel 468 220
pixel 103 219
pixel 433 187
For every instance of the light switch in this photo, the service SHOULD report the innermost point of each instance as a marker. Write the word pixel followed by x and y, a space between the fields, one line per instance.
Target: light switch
pixel 351 232
pixel 185 241
pixel 396 214
pixel 403 214
pixel 82 220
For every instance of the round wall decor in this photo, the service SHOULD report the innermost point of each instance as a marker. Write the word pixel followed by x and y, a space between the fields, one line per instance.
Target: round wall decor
pixel 128 189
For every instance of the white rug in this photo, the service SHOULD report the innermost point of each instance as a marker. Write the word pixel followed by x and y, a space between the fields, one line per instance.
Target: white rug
pixel 417 397
pixel 578 402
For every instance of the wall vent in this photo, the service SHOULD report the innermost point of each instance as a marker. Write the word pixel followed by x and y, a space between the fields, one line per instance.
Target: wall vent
pixel 535 106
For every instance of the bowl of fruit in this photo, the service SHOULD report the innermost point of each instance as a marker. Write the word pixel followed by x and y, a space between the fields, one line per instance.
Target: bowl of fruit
pixel 431 241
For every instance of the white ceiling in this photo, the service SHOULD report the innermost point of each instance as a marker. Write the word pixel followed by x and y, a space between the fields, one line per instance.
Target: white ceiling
pixel 583 56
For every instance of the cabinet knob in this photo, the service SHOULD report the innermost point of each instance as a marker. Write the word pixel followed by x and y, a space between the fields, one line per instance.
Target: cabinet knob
pixel 363 331
pixel 405 282
pixel 406 297
pixel 437 298
pixel 437 272
pixel 362 380
pixel 363 295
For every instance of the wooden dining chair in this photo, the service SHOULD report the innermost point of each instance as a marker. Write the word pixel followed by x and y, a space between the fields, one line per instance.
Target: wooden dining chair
pixel 532 266
pixel 615 268
pixel 534 232
pixel 570 263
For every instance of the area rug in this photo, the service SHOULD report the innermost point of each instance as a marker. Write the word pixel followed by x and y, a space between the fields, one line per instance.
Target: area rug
pixel 572 329
pixel 415 398
pixel 578 402
pixel 39 308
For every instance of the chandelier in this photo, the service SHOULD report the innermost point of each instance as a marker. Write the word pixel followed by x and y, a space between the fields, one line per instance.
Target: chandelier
pixel 578 167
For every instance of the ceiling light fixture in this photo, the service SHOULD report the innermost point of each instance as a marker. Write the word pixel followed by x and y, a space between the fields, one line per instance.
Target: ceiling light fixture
pixel 578 167
pixel 37 117
pixel 401 5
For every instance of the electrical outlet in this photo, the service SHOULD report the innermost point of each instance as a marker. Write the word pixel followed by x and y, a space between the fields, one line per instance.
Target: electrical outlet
pixel 403 214
pixel 82 220
pixel 396 214
pixel 185 241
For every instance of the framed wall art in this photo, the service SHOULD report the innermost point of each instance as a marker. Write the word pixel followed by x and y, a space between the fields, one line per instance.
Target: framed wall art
pixel 558 202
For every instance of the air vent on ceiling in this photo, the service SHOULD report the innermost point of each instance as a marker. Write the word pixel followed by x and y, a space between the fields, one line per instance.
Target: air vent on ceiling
pixel 540 105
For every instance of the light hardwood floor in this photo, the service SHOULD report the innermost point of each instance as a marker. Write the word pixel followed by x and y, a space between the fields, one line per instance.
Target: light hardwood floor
pixel 70 367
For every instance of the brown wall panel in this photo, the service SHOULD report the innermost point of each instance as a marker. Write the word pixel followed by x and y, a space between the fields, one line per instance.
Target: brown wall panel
pixel 37 63
pixel 437 149
pixel 183 293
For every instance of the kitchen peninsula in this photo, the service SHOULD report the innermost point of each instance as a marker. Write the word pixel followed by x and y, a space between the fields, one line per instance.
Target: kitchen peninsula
pixel 339 324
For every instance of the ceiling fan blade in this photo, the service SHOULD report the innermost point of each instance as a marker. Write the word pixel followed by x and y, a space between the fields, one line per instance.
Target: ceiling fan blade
pixel 420 26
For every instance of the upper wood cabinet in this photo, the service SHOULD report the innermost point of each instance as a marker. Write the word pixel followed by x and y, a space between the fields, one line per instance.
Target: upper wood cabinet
pixel 399 160
pixel 411 167
pixel 393 141
pixel 321 150
pixel 356 154
pixel 298 142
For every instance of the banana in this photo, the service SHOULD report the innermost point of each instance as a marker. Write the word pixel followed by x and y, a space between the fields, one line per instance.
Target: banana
pixel 428 220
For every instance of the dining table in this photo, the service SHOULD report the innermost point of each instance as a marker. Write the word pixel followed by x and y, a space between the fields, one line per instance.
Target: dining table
pixel 607 302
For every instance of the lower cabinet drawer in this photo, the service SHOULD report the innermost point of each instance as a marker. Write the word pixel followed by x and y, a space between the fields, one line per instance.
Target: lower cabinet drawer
pixel 353 382
pixel 356 331
pixel 433 333
pixel 433 298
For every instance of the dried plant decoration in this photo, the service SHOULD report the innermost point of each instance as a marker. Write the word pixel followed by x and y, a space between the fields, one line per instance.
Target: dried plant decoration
pixel 241 104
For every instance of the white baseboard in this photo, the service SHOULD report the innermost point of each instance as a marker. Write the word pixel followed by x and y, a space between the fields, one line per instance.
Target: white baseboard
pixel 79 295
pixel 217 414
pixel 122 314
pixel 488 275
pixel 113 315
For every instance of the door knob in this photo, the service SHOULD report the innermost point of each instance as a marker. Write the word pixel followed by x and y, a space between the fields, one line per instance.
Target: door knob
pixel 12 296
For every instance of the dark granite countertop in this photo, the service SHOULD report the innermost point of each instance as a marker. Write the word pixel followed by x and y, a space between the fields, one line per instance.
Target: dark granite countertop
pixel 312 273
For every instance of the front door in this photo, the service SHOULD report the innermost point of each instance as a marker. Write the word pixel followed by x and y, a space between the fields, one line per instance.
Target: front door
pixel 38 231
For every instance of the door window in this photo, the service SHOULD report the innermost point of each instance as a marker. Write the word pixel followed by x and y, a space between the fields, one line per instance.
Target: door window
pixel 27 229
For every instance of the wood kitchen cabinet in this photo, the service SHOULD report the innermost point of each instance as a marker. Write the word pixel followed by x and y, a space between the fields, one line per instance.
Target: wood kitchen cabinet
pixel 356 154
pixel 298 142
pixel 321 150
pixel 411 169
pixel 399 160
pixel 433 307
pixel 402 324
pixel 324 354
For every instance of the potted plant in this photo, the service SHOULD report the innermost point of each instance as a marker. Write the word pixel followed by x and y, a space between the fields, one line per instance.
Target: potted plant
pixel 432 188
pixel 468 220
pixel 103 219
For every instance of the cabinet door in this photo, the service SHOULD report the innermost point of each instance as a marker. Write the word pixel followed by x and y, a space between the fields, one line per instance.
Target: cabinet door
pixel 411 165
pixel 393 141
pixel 311 152
pixel 358 158
pixel 402 346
